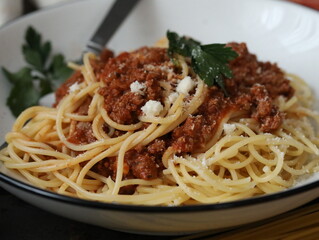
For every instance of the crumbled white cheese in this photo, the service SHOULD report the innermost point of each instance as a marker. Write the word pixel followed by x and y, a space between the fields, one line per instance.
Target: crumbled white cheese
pixel 229 128
pixel 152 108
pixel 172 97
pixel 137 87
pixel 74 87
pixel 185 85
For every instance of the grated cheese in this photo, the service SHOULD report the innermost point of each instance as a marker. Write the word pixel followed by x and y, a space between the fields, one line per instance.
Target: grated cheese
pixel 74 87
pixel 185 85
pixel 172 97
pixel 229 128
pixel 137 87
pixel 152 108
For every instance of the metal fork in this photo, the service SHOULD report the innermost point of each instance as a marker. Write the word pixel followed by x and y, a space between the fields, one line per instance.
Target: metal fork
pixel 111 22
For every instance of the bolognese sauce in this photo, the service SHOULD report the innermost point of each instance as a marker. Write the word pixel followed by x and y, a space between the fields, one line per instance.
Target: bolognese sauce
pixel 252 89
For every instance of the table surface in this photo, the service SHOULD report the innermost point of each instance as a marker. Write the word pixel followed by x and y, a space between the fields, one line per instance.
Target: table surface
pixel 44 225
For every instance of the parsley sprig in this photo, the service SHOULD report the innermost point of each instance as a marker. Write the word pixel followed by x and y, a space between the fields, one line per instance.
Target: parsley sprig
pixel 42 75
pixel 210 61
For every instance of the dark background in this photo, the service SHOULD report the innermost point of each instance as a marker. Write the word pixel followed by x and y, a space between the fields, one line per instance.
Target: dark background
pixel 22 221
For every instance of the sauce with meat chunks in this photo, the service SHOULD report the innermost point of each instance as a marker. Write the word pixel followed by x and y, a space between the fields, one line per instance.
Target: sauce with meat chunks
pixel 252 90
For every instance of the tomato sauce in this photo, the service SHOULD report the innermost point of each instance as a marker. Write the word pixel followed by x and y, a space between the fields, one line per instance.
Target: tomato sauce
pixel 252 90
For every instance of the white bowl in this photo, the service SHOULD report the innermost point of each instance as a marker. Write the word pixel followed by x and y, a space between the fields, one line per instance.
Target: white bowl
pixel 277 31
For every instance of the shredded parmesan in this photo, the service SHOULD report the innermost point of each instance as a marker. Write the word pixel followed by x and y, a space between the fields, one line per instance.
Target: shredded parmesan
pixel 185 85
pixel 74 87
pixel 229 128
pixel 152 108
pixel 172 97
pixel 137 87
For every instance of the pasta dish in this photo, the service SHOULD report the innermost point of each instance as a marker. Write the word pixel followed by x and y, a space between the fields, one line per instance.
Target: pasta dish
pixel 143 128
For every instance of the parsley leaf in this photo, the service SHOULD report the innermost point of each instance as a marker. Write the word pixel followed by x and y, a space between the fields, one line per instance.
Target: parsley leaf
pixel 180 45
pixel 19 100
pixel 42 75
pixel 58 70
pixel 209 62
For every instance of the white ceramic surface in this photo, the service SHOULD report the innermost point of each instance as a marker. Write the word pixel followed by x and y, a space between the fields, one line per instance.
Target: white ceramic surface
pixel 275 30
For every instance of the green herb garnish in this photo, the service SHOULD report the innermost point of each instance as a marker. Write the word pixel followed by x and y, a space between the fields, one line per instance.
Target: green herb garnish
pixel 42 75
pixel 209 62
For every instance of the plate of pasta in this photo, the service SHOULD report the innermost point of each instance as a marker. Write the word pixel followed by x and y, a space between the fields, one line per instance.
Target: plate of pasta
pixel 182 120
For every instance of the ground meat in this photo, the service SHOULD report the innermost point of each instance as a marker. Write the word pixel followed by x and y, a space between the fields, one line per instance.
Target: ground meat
pixel 157 149
pixel 255 85
pixel 262 101
pixel 142 164
pixel 64 88
pixel 196 131
pixel 137 164
pixel 122 105
pixel 142 161
pixel 105 55
pixel 104 167
pixel 265 112
pixel 82 132
pixel 247 71
pixel 126 109
pixel 107 167
pixel 84 108
pixel 251 91
pixel 158 146
pixel 77 77
pixel 191 134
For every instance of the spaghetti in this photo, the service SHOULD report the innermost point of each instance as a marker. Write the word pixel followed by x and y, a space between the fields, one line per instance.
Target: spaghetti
pixel 137 129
